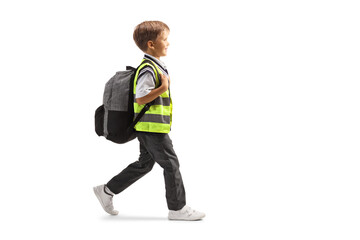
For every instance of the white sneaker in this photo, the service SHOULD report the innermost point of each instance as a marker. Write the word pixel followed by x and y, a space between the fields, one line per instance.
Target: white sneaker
pixel 186 213
pixel 105 199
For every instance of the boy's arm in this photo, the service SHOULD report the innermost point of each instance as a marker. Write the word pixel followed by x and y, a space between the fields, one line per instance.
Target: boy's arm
pixel 155 92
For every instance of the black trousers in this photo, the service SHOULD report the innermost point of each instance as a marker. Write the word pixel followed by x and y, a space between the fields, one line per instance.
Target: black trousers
pixel 154 147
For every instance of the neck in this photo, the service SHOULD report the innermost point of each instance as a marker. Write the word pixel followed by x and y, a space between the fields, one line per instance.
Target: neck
pixel 152 54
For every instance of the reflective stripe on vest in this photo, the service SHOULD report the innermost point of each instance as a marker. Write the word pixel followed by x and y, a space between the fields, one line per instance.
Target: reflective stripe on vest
pixel 159 101
pixel 159 116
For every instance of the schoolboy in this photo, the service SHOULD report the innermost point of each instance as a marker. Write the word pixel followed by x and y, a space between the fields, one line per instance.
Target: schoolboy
pixel 152 129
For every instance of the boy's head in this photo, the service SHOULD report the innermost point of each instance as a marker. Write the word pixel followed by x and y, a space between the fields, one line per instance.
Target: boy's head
pixel 151 37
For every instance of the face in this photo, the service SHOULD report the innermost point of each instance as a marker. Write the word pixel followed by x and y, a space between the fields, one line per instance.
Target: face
pixel 161 44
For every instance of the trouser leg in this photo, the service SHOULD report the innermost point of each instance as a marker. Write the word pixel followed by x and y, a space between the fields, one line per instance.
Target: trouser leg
pixel 132 173
pixel 160 148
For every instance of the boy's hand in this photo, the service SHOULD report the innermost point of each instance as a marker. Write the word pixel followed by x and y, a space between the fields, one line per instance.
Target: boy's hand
pixel 165 82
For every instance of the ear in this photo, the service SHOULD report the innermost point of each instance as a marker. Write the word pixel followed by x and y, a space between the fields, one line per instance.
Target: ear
pixel 150 44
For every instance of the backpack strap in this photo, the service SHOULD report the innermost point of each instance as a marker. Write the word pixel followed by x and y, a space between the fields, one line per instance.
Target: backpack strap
pixel 139 116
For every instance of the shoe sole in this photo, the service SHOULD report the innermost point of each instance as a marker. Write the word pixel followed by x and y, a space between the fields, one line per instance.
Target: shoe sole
pixel 97 194
pixel 186 219
pixel 182 219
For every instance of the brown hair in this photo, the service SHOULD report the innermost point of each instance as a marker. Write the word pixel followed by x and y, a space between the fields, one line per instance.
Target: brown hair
pixel 148 31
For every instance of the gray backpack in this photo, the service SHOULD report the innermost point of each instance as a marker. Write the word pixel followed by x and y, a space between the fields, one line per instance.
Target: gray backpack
pixel 115 118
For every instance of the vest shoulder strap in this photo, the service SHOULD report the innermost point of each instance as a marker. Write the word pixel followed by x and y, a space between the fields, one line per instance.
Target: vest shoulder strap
pixel 153 65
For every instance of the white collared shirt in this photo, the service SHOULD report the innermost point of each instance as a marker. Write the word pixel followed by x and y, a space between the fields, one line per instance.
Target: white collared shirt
pixel 146 79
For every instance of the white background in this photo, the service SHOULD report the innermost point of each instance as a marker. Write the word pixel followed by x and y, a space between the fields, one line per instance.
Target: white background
pixel 266 119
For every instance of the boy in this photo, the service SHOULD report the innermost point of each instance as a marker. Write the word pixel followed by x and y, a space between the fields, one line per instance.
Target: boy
pixel 153 128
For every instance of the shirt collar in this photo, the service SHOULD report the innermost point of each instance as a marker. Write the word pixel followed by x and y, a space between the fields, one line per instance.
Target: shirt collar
pixel 157 61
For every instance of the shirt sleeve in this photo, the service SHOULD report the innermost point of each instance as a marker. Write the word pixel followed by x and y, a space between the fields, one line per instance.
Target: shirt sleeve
pixel 145 82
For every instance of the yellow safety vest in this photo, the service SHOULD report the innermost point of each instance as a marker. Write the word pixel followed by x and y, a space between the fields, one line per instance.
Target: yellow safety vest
pixel 158 118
